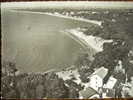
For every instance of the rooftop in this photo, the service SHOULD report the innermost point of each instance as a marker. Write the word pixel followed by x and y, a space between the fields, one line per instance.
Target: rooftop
pixel 101 72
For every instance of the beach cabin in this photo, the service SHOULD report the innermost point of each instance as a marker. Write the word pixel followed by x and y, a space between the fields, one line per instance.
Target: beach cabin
pixel 96 79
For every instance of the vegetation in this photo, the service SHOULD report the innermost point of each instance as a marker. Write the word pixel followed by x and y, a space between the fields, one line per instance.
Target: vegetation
pixel 36 85
pixel 117 26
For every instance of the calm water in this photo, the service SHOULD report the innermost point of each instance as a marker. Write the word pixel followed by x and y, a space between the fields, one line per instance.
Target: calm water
pixel 35 42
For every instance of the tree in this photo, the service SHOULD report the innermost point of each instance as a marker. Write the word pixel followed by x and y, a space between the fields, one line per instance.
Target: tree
pixel 82 60
pixel 9 68
pixel 55 87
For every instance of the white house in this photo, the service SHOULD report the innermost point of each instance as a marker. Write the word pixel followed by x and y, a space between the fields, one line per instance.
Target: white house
pixel 96 79
pixel 111 83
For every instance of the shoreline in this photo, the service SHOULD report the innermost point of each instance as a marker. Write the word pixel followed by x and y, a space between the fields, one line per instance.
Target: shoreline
pixel 63 16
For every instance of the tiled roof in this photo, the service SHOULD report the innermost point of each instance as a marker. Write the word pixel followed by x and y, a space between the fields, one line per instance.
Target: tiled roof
pixel 101 72
pixel 88 92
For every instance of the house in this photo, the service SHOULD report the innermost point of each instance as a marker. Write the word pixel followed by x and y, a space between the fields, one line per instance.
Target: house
pixel 107 93
pixel 96 79
pixel 109 88
pixel 88 93
pixel 111 83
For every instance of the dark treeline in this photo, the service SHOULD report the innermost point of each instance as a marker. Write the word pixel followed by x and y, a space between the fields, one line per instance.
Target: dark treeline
pixel 35 85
